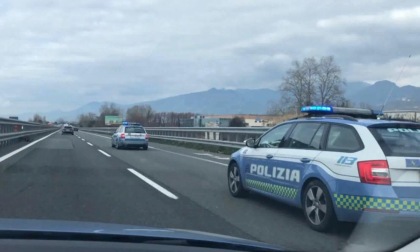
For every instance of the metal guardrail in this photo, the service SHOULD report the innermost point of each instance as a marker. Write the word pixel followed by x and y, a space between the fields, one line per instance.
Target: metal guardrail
pixel 224 136
pixel 12 131
pixel 15 135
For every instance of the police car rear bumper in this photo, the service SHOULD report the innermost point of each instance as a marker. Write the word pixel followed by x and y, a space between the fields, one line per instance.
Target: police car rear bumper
pixel 134 143
pixel 377 216
pixel 359 202
pixel 391 218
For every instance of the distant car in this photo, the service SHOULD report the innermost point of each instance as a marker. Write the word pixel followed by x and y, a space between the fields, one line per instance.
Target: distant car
pixel 130 135
pixel 75 129
pixel 67 130
pixel 336 164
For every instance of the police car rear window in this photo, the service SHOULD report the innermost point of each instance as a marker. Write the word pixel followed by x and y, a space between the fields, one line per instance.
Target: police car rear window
pixel 134 130
pixel 398 139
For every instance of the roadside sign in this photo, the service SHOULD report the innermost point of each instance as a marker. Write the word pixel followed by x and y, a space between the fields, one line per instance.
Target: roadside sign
pixel 113 120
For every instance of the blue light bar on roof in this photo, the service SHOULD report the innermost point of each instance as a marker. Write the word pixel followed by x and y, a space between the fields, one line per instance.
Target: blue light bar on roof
pixel 314 109
pixel 354 112
pixel 130 123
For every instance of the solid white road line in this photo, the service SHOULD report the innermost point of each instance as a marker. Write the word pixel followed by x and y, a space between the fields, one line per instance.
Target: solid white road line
pixel 188 156
pixel 153 184
pixel 211 155
pixel 24 147
pixel 89 144
pixel 103 152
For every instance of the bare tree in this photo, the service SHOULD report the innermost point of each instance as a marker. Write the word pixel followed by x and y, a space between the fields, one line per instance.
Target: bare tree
pixel 285 105
pixel 313 82
pixel 140 113
pixel 237 122
pixel 107 109
pixel 300 81
pixel 60 121
pixel 37 118
pixel 88 120
pixel 310 72
pixel 329 81
pixel 294 84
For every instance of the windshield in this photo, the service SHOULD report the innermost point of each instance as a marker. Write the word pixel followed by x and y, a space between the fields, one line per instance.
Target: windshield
pixel 293 123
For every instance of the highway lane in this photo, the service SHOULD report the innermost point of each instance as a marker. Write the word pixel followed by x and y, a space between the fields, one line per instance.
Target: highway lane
pixel 202 179
pixel 62 177
pixel 82 178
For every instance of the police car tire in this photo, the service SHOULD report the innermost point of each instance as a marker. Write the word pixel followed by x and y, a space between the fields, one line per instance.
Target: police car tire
pixel 241 192
pixel 330 218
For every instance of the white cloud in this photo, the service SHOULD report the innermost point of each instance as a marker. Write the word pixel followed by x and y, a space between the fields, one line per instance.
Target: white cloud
pixel 62 54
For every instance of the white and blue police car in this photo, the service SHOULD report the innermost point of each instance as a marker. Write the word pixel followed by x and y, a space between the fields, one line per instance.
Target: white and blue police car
pixel 130 135
pixel 337 164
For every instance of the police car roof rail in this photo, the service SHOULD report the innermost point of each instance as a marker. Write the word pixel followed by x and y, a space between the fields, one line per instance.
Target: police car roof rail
pixel 338 116
pixel 317 116
pixel 398 119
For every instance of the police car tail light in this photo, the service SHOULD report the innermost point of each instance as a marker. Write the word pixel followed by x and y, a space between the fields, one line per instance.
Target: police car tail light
pixel 374 172
pixel 122 135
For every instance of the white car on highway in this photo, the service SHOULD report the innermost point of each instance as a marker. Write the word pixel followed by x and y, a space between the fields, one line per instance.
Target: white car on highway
pixel 130 135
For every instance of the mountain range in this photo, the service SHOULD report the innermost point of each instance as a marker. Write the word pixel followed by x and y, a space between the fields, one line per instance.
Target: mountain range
pixel 257 101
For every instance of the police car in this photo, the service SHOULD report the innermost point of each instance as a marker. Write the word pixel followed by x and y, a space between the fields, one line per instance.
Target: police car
pixel 337 164
pixel 130 135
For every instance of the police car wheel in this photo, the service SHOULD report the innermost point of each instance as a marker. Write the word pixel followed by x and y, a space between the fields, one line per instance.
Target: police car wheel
pixel 235 182
pixel 317 206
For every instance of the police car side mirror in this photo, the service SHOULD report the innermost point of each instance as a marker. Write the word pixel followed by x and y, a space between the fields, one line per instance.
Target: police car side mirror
pixel 250 142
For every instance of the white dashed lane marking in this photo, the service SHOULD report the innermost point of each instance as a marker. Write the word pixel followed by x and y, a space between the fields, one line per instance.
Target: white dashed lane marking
pixel 103 152
pixel 153 184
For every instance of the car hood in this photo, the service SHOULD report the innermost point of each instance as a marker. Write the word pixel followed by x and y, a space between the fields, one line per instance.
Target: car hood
pixel 97 228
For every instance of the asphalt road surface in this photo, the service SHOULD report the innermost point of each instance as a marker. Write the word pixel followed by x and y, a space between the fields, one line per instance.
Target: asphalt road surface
pixel 80 177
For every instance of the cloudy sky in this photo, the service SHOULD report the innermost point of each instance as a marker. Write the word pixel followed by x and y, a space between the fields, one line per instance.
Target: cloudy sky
pixel 63 54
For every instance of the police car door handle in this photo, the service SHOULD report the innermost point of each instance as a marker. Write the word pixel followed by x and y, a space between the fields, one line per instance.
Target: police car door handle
pixel 269 156
pixel 305 160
